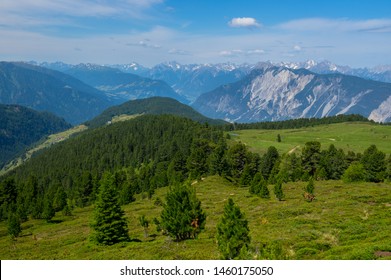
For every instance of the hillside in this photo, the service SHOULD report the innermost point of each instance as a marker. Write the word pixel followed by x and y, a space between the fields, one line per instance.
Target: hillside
pixel 48 90
pixel 277 93
pixel 352 136
pixel 54 193
pixel 20 127
pixel 151 106
pixel 347 221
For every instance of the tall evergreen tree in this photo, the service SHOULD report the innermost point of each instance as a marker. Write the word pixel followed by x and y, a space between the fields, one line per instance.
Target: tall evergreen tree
pixel 14 228
pixel 311 157
pixel 237 156
pixel 110 225
pixel 268 161
pixel 333 162
pixel 218 163
pixel 278 191
pixel 182 216
pixel 48 211
pixel 232 232
pixel 197 161
pixel 374 162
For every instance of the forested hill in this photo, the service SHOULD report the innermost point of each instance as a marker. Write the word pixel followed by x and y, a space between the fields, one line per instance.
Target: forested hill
pixel 20 127
pixel 159 149
pixel 151 106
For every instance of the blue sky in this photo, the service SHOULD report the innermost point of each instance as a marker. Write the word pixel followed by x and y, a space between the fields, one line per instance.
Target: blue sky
pixel 355 33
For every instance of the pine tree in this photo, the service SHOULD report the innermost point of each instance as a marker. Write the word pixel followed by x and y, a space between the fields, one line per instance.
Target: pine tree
pixel 268 161
pixel 278 191
pixel 182 216
pixel 310 157
pixel 264 190
pixel 232 232
pixel 255 183
pixel 374 162
pixel 48 211
pixel 110 224
pixel 14 228
pixel 309 190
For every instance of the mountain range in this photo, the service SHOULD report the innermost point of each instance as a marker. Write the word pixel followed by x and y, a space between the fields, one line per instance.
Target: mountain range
pixel 44 89
pixel 241 93
pixel 120 86
pixel 191 80
pixel 277 93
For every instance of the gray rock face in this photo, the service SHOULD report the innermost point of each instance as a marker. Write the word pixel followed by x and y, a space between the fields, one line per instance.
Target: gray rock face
pixel 277 93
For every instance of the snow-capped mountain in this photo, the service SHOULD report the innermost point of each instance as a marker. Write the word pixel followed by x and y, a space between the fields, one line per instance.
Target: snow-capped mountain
pixel 132 68
pixel 278 93
pixel 193 79
pixel 380 73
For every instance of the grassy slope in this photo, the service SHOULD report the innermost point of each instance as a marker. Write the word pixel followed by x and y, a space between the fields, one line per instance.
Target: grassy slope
pixel 348 136
pixel 345 221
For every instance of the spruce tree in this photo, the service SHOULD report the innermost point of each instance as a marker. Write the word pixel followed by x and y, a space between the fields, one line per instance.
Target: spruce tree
pixel 14 228
pixel 374 162
pixel 48 211
pixel 264 190
pixel 109 224
pixel 255 183
pixel 309 190
pixel 278 191
pixel 232 232
pixel 182 216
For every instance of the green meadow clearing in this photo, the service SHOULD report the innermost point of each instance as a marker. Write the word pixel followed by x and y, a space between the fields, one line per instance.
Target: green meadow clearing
pixel 352 136
pixel 345 221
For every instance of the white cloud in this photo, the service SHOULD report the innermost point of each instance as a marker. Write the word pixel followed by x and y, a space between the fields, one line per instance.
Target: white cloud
pixel 178 52
pixel 244 22
pixel 296 48
pixel 146 44
pixel 231 53
pixel 23 13
pixel 255 52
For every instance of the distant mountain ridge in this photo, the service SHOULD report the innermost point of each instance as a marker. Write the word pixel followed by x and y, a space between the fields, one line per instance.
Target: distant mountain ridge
pixel 43 89
pixel 151 106
pixel 120 86
pixel 278 93
pixel 20 127
pixel 191 80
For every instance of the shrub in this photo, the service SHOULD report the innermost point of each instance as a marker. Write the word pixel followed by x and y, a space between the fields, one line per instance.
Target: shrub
pixel 354 173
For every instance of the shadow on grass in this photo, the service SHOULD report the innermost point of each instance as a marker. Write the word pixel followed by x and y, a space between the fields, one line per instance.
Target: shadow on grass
pixel 57 221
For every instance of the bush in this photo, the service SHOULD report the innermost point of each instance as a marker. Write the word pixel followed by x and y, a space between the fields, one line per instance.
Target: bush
pixel 354 173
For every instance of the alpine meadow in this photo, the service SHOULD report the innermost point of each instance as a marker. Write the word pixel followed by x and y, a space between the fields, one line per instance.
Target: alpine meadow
pixel 220 131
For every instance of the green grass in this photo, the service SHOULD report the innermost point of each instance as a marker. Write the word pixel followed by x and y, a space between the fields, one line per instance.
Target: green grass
pixel 353 136
pixel 345 221
pixel 124 117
